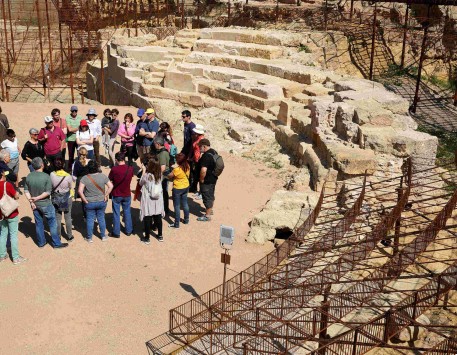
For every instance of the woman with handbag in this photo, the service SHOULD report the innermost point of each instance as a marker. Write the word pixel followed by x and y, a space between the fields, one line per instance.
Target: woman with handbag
pixel 127 133
pixel 9 223
pixel 32 149
pixel 151 206
pixel 61 197
pixel 180 176
pixel 94 190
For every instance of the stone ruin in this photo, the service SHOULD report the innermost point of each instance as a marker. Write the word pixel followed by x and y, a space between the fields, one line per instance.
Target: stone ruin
pixel 331 123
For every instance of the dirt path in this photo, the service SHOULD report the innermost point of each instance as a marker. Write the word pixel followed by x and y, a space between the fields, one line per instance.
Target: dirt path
pixel 109 298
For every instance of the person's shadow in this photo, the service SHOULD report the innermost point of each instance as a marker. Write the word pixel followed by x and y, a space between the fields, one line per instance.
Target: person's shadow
pixel 27 227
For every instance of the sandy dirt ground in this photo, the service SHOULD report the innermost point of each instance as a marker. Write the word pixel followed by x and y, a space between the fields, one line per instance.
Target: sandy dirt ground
pixel 109 298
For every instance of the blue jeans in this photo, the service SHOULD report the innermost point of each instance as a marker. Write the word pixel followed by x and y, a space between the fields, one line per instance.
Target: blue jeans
pixel 49 213
pixel 180 196
pixel 95 210
pixel 125 202
pixel 9 226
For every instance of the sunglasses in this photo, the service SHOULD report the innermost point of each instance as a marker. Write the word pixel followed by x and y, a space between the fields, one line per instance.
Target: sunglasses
pixel 83 155
pixel 34 134
pixel 74 111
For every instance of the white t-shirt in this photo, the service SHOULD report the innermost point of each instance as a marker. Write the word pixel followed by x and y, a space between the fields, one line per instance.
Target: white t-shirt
pixel 11 147
pixel 96 127
pixel 85 135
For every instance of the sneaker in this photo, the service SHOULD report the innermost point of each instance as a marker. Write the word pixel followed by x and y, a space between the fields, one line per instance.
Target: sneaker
pixel 4 258
pixel 70 238
pixel 172 225
pixel 89 240
pixel 198 196
pixel 185 222
pixel 204 218
pixel 146 241
pixel 113 235
pixel 19 260
pixel 160 238
pixel 104 239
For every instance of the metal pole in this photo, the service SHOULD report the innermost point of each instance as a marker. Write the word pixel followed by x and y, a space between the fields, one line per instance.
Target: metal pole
pixel 325 14
pixel 11 31
pixel 114 14
pixel 157 14
pixel 405 34
pixel 70 51
pixel 352 10
pixel 277 11
pixel 136 18
pixel 373 40
pixel 51 62
pixel 228 13
pixel 88 29
pixel 1 79
pixel 102 70
pixel 224 278
pixel 41 45
pixel 6 38
pixel 421 62
pixel 60 36
pixel 182 14
pixel 397 222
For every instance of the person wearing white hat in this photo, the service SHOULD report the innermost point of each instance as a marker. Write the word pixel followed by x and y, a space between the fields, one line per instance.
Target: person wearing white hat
pixel 95 127
pixel 198 133
pixel 51 137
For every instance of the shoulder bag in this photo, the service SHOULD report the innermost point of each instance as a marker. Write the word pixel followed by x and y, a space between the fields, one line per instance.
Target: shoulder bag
pixel 95 184
pixel 60 201
pixel 7 204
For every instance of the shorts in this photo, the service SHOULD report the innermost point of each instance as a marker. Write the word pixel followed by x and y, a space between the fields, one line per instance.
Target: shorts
pixel 207 191
pixel 14 165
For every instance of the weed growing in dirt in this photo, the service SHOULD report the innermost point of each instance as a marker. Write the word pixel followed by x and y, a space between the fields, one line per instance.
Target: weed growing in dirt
pixel 304 48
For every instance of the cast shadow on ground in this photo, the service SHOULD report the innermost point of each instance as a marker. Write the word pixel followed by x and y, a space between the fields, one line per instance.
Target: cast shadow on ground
pixel 190 289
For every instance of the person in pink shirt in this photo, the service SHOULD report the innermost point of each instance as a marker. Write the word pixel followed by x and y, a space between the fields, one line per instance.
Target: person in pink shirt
pixel 51 137
pixel 62 124
pixel 127 133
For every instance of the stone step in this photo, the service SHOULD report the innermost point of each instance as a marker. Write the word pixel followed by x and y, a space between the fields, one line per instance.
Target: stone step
pixel 301 98
pixel 157 74
pixel 281 68
pixel 219 90
pixel 265 37
pixel 185 43
pixel 224 74
pixel 238 48
pixel 149 54
pixel 187 33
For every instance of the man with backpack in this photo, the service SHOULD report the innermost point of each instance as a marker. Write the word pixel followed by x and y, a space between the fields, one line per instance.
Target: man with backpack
pixel 212 166
pixel 164 160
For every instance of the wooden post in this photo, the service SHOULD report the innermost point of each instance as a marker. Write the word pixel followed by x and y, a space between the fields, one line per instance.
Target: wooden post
pixel 373 42
pixel 405 34
pixel 6 38
pixel 2 83
pixel 135 8
pixel 157 14
pixel 88 29
pixel 398 221
pixel 60 37
pixel 70 52
pixel 182 14
pixel 114 14
pixel 228 13
pixel 351 13
pixel 41 46
pixel 80 88
pixel 421 62
pixel 51 61
pixel 11 31
pixel 8 93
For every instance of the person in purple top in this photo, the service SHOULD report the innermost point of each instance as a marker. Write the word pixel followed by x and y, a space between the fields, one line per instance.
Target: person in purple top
pixel 188 127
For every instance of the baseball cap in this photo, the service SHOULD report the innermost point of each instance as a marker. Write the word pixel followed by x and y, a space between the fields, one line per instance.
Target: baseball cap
pixel 74 108
pixel 48 119
pixel 83 123
pixel 150 110
pixel 140 112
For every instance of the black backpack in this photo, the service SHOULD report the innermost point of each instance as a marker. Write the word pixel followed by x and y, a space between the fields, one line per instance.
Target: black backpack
pixel 218 164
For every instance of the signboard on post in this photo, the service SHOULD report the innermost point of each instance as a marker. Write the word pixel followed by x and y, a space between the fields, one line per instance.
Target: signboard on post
pixel 226 236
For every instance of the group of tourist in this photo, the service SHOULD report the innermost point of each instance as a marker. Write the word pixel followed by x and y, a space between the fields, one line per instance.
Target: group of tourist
pixel 64 162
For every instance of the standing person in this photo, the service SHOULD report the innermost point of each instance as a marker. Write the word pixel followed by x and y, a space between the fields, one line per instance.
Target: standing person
pixel 121 176
pixel 38 187
pixel 73 120
pixel 166 133
pixel 51 137
pixel 11 144
pixel 32 149
pixel 85 138
pixel 127 133
pixel 198 133
pixel 111 130
pixel 164 161
pixel 151 206
pixel 61 198
pixel 146 130
pixel 180 176
pixel 106 120
pixel 62 124
pixel 4 125
pixel 9 225
pixel 79 170
pixel 94 195
pixel 4 160
pixel 96 129
pixel 188 127
pixel 208 179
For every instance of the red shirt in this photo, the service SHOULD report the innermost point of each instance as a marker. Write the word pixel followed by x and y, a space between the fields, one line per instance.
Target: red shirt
pixel 121 176
pixel 61 123
pixel 53 144
pixel 11 191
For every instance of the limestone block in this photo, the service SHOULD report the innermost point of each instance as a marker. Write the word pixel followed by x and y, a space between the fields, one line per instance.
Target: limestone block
pixel 288 139
pixel 344 127
pixel 179 81
pixel 416 144
pixel 259 235
pixel 243 85
pixel 321 112
pixel 301 124
pixel 387 99
pixel 317 89
pixel 237 48
pixel 356 85
pixel 284 113
pixel 301 98
pixel 404 122
pixel 370 111
pixel 268 91
pixel 141 41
